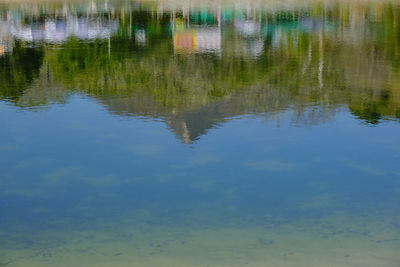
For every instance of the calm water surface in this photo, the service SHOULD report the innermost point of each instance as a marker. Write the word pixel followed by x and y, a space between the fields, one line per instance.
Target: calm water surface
pixel 218 134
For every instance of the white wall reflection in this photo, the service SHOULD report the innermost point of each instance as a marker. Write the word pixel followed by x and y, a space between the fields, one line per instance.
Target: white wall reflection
pixel 59 30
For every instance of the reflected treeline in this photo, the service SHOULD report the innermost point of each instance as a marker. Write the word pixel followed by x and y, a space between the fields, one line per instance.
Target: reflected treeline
pixel 198 66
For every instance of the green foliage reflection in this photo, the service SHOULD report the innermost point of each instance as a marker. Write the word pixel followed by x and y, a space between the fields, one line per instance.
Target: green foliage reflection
pixel 174 62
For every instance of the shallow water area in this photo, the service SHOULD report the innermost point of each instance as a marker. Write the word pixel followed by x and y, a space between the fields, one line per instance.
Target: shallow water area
pixel 200 134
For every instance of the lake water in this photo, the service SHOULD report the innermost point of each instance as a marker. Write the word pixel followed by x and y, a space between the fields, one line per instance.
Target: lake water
pixel 200 133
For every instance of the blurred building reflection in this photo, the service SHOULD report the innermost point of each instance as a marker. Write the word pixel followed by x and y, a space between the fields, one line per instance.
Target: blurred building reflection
pixel 59 30
pixel 196 30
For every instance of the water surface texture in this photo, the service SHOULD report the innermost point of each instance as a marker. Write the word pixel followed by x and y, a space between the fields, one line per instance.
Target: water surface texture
pixel 200 133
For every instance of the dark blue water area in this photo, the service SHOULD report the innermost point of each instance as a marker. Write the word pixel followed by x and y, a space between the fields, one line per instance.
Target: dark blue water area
pixel 76 166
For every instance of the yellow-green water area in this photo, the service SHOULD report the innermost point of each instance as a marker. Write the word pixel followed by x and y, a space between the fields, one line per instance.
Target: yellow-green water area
pixel 336 240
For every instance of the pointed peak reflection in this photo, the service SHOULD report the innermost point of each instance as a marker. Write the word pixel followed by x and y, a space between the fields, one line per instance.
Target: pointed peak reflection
pixel 197 66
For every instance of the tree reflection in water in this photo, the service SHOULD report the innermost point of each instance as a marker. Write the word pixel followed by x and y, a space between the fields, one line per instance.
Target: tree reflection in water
pixel 196 67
